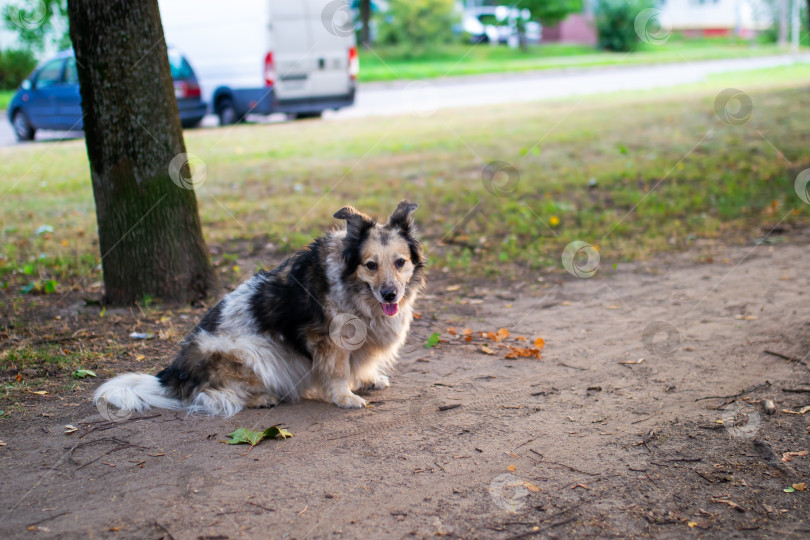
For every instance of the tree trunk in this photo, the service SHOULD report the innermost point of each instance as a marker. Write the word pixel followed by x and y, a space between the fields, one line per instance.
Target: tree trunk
pixel 784 10
pixel 149 231
pixel 365 17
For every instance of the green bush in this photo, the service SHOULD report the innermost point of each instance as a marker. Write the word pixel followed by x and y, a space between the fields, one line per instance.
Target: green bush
pixel 418 25
pixel 615 23
pixel 14 67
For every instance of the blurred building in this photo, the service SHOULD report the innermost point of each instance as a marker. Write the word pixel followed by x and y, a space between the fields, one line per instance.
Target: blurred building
pixel 692 18
pixel 706 18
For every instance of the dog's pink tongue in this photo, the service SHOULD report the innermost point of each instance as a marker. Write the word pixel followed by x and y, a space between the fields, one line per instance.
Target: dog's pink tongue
pixel 390 309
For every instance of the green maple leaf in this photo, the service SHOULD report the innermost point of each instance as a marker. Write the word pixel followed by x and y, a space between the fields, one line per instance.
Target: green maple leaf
pixel 248 436
pixel 82 373
pixel 432 341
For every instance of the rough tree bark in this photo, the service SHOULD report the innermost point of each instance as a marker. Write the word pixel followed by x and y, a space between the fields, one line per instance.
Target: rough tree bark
pixel 149 230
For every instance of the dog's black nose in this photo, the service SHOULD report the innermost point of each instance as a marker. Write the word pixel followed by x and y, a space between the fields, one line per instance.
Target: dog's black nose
pixel 388 294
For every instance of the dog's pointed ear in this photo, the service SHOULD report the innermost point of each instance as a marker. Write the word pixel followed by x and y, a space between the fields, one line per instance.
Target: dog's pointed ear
pixel 356 222
pixel 403 215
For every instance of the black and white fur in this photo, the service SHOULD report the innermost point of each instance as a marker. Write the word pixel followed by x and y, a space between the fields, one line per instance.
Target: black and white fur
pixel 282 335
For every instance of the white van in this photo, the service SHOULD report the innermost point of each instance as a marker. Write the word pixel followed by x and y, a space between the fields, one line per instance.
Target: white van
pixel 266 56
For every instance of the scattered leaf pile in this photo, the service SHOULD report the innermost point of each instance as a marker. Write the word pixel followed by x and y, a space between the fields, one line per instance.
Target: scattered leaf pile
pixel 489 342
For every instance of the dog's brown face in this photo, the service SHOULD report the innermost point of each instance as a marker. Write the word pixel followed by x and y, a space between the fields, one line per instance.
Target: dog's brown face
pixel 385 258
pixel 386 267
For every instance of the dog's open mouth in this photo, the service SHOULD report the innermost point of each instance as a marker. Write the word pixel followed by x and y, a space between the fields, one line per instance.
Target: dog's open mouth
pixel 390 309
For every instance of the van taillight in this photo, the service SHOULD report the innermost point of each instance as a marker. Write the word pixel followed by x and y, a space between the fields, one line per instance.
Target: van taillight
pixel 354 63
pixel 269 70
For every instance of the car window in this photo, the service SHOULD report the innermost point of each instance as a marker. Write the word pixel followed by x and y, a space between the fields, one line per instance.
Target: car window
pixel 71 76
pixel 50 74
pixel 181 69
pixel 486 18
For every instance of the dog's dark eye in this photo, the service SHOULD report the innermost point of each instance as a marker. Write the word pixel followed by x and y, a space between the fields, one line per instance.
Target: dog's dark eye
pixel 399 263
pixel 371 265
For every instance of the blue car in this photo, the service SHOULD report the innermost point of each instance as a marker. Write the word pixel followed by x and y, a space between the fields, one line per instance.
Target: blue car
pixel 49 98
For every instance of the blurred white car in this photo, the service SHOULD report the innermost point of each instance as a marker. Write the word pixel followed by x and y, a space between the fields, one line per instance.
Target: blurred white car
pixel 498 24
pixel 479 32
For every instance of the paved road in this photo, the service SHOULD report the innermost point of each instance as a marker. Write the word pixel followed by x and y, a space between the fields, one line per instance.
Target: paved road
pixel 424 97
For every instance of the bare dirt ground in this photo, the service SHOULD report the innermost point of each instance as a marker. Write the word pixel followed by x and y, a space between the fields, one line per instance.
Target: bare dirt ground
pixel 588 441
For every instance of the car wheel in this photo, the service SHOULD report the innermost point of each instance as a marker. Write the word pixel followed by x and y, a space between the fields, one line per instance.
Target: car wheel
pixel 227 112
pixel 22 127
pixel 310 114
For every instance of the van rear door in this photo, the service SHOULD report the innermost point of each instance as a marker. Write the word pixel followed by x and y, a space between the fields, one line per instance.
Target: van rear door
pixel 331 39
pixel 289 49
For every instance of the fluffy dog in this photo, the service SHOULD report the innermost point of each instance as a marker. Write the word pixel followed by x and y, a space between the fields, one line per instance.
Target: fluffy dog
pixel 330 320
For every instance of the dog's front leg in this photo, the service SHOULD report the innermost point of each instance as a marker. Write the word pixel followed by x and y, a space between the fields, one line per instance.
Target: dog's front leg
pixel 333 373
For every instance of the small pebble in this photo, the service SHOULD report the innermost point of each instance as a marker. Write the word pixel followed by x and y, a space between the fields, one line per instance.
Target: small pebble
pixel 768 406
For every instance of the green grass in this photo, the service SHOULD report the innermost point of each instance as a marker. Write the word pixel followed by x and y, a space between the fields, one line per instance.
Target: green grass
pixel 5 98
pixel 384 64
pixel 666 171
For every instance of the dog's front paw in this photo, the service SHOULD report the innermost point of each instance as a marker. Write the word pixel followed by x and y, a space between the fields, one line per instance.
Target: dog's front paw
pixel 381 383
pixel 349 401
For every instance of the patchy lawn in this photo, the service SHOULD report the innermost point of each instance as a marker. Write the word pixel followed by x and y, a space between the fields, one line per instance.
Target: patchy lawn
pixel 631 175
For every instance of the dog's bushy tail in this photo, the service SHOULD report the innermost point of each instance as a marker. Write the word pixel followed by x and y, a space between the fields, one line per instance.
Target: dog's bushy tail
pixel 136 392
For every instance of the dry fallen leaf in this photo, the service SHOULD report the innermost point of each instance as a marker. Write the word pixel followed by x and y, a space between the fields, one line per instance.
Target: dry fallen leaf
pixel 2 443
pixel 787 456
pixel 539 343
pixel 746 317
pixel 640 360
pixel 39 392
pixel 486 350
pixel 467 331
pixel 800 487
pixel 451 331
pixel 452 288
pixel 800 411
pixel 70 428
pixel 531 487
pixel 511 468
pixel 732 504
pixel 521 352
pixel 498 336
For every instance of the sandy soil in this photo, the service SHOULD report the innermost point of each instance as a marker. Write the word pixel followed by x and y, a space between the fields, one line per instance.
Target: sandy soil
pixel 574 444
